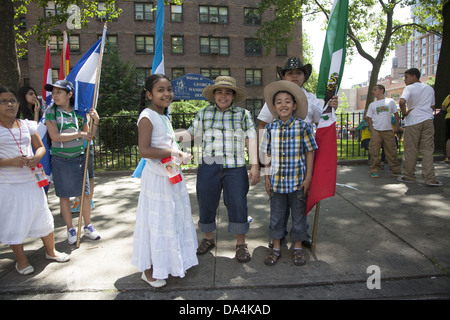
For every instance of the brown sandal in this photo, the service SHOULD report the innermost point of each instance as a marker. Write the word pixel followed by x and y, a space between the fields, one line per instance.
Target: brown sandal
pixel 205 246
pixel 272 259
pixel 242 254
pixel 299 257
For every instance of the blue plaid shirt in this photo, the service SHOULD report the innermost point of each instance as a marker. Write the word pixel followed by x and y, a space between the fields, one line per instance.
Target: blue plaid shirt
pixel 287 144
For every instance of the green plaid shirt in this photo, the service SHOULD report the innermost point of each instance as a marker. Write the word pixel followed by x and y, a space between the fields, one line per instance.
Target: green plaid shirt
pixel 223 134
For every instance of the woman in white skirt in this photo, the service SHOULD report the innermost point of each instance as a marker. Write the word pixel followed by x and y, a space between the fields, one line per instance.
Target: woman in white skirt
pixel 23 205
pixel 164 241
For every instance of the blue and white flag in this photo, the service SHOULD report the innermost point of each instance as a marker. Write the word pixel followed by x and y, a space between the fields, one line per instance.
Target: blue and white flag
pixel 158 64
pixel 158 59
pixel 84 74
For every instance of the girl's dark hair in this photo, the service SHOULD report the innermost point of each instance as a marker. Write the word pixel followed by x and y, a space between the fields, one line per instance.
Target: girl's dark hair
pixel 24 111
pixel 149 84
pixel 6 89
pixel 275 95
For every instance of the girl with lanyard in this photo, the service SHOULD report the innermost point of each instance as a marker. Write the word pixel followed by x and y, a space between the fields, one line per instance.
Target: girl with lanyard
pixel 29 216
pixel 66 130
pixel 164 240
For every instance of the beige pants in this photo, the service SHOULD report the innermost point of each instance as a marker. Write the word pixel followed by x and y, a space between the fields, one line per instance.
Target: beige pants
pixel 387 139
pixel 419 138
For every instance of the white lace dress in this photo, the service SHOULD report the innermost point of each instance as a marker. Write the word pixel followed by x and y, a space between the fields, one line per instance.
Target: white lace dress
pixel 164 235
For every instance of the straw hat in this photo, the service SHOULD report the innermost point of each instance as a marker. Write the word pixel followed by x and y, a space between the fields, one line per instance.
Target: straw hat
pixel 224 82
pixel 295 63
pixel 283 85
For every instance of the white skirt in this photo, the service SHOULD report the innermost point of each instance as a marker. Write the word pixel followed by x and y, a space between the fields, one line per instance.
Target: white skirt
pixel 24 213
pixel 164 235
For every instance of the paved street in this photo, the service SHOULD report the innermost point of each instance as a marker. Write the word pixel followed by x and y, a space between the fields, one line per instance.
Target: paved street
pixel 371 227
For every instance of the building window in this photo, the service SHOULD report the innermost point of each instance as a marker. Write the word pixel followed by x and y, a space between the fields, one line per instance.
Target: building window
pixel 281 50
pixel 177 45
pixel 57 43
pixel 177 72
pixel 176 13
pixel 254 106
pixel 213 14
pixel 252 17
pixel 211 45
pixel 141 75
pixel 143 11
pixel 253 47
pixel 74 44
pixel 213 73
pixel 102 15
pixel 51 9
pixel 253 77
pixel 145 44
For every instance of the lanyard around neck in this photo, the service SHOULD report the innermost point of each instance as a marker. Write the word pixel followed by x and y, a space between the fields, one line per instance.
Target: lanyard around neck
pixel 19 144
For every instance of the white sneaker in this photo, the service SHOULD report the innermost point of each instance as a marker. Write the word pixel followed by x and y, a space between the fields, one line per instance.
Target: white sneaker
pixel 90 231
pixel 71 236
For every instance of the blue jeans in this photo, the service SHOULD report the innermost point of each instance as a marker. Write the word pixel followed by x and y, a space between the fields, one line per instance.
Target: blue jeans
pixel 279 204
pixel 211 180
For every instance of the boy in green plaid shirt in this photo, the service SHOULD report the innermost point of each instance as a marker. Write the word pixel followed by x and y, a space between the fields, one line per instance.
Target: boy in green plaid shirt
pixel 225 131
pixel 288 143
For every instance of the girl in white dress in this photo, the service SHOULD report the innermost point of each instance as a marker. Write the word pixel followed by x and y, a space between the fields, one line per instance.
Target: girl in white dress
pixel 23 205
pixel 164 240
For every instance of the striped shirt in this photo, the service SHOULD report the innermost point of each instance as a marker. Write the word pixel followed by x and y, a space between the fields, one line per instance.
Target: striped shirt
pixel 223 134
pixel 287 143
pixel 66 122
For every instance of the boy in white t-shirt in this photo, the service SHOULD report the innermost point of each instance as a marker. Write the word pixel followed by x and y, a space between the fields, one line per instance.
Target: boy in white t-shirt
pixel 419 129
pixel 379 120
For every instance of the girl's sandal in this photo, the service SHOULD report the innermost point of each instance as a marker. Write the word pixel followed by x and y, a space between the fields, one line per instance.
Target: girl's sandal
pixel 272 259
pixel 205 246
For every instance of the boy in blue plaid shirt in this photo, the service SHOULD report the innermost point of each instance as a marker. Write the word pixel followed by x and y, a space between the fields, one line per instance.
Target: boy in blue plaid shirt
pixel 288 143
pixel 225 131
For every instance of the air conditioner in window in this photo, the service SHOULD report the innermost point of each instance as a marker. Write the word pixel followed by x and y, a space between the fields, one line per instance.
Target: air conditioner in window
pixel 214 20
pixel 215 50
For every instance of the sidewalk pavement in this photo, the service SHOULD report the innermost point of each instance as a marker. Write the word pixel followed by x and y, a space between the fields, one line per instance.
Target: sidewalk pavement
pixel 370 228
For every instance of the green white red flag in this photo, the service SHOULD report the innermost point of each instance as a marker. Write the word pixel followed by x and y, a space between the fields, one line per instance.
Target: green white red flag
pixel 323 184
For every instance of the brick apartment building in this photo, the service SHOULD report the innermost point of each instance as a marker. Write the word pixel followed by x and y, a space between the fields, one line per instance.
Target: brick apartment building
pixel 201 36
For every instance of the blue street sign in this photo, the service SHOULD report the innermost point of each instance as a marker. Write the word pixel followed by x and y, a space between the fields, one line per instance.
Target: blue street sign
pixel 190 87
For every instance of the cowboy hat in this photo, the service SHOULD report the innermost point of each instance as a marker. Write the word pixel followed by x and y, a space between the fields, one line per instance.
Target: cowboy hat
pixel 295 63
pixel 224 82
pixel 283 85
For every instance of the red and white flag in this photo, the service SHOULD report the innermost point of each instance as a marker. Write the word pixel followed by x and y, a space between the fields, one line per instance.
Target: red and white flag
pixel 47 78
pixel 323 183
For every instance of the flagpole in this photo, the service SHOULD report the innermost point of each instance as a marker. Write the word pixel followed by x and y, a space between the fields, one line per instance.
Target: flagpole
pixel 94 100
pixel 316 222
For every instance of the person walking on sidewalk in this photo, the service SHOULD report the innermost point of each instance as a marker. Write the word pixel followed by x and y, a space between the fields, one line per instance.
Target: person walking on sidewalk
pixel 379 120
pixel 288 142
pixel 417 105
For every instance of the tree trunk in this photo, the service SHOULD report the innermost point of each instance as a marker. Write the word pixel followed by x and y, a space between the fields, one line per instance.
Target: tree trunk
pixel 8 53
pixel 442 83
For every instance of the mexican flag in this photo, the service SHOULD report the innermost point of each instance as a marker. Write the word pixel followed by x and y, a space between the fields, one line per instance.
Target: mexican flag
pixel 323 184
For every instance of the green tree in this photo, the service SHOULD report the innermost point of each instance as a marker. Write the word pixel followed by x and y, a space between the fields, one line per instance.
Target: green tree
pixel 11 10
pixel 371 25
pixel 118 89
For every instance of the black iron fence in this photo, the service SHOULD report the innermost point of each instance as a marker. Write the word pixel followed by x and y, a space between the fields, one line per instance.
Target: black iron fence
pixel 115 146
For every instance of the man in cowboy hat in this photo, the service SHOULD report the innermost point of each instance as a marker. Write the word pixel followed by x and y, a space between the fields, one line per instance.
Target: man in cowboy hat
pixel 225 130
pixel 295 71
